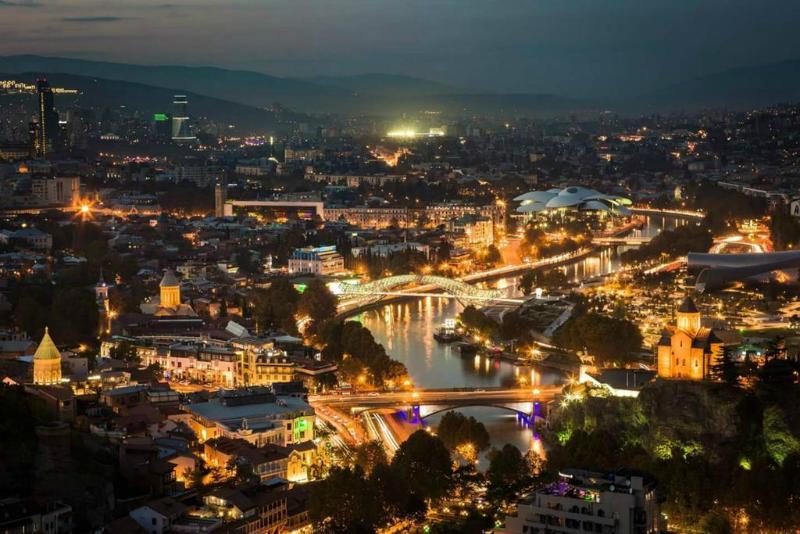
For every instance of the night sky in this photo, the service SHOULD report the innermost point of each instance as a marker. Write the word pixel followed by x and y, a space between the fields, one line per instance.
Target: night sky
pixel 568 47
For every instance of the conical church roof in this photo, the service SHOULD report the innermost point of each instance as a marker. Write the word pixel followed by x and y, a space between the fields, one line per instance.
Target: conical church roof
pixel 169 279
pixel 47 349
pixel 687 306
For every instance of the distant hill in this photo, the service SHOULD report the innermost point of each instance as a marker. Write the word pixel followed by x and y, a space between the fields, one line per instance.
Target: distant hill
pixel 740 88
pixel 100 93
pixel 386 85
pixel 380 94
pixel 244 87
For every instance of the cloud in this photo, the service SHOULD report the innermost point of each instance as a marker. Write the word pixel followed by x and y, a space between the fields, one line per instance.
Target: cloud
pixel 20 3
pixel 92 19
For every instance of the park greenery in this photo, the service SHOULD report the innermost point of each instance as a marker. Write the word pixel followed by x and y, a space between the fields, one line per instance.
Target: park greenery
pixel 350 345
pixel 610 340
pixel 559 238
pixel 375 492
pixel 784 230
pixel 352 500
pixel 463 434
pixel 716 448
pixel 723 207
pixel 361 359
pixel 672 244
pixel 542 278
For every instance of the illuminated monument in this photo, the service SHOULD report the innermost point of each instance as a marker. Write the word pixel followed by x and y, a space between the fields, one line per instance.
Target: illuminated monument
pixel 687 350
pixel 47 362
pixel 168 302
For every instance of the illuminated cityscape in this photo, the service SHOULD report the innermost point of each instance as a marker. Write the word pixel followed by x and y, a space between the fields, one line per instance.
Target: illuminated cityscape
pixel 271 270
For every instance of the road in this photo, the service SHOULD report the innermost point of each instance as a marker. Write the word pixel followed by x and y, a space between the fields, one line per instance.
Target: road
pixel 462 396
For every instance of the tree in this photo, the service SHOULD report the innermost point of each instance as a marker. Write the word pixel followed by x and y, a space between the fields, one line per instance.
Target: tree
pixel 491 255
pixel 716 523
pixel 508 471
pixel 370 455
pixel 193 477
pixel 456 429
pixel 545 279
pixel 725 369
pixel 275 307
pixel 317 301
pixel 424 462
pixel 343 502
pixel 474 319
pixel 608 339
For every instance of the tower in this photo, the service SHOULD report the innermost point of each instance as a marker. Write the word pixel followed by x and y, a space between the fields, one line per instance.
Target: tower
pixel 220 197
pixel 48 129
pixel 101 292
pixel 47 362
pixel 170 290
pixel 688 316
pixel 180 120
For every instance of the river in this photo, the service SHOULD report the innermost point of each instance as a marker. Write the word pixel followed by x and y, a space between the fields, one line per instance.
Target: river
pixel 406 331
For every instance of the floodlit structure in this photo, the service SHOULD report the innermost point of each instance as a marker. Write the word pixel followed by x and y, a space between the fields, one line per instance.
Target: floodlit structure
pixel 572 198
pixel 623 502
pixel 47 362
pixel 719 270
pixel 688 350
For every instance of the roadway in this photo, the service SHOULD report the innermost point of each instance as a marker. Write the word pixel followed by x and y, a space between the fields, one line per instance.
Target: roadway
pixel 448 397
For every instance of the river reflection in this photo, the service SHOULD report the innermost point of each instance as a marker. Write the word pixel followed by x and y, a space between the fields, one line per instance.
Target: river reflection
pixel 406 331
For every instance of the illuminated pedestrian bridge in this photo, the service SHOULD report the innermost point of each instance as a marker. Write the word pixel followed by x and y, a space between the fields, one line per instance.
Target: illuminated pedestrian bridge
pixel 419 285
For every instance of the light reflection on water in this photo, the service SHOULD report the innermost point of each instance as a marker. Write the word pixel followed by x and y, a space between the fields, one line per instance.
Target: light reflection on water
pixel 406 331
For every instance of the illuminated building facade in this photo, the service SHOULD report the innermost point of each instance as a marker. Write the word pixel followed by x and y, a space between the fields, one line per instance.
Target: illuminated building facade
pixel 687 350
pixel 316 260
pixel 623 502
pixel 47 362
pixel 47 130
pixel 255 415
pixel 276 210
pixel 472 231
pixel 180 121
pixel 220 197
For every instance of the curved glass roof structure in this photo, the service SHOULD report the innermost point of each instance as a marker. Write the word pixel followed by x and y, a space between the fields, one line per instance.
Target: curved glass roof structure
pixel 579 198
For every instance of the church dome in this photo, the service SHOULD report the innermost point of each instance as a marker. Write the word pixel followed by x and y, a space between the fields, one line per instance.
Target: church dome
pixel 47 349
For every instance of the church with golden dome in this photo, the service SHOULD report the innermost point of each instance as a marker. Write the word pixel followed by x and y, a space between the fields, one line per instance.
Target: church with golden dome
pixel 688 350
pixel 47 362
pixel 168 302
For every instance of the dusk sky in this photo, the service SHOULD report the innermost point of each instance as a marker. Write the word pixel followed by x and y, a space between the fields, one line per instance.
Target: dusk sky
pixel 569 47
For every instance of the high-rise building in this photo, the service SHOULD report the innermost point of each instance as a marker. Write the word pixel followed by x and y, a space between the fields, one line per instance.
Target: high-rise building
pixel 162 127
pixel 220 196
pixel 47 133
pixel 180 121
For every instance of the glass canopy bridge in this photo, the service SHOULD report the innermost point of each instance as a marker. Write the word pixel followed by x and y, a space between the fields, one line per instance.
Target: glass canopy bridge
pixel 424 286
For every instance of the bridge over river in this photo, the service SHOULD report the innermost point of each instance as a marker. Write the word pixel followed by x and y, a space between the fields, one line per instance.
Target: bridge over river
pixel 422 403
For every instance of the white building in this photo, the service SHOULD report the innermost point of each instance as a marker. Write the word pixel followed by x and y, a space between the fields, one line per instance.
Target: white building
pixel 624 502
pixel 316 260
pixel 255 415
pixel 472 231
pixel 159 516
